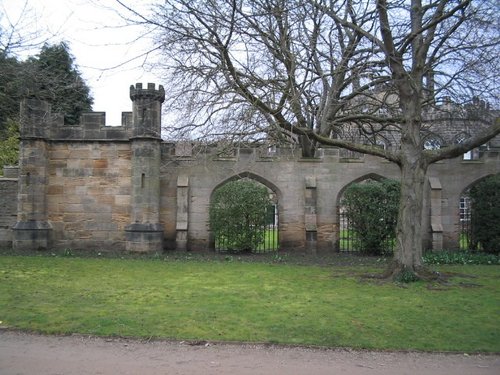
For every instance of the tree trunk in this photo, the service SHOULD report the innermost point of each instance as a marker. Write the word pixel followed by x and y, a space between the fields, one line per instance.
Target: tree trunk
pixel 407 263
pixel 409 227
pixel 308 147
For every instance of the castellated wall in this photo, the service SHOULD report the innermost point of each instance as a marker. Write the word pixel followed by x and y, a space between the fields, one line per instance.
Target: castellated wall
pixel 308 191
pixel 293 179
pixel 90 186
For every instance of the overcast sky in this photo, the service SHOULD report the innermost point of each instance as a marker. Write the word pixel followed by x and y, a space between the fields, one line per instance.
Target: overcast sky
pixel 100 47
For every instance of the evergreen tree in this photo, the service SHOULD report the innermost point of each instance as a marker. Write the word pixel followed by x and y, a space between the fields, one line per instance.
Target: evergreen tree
pixel 53 76
pixel 10 91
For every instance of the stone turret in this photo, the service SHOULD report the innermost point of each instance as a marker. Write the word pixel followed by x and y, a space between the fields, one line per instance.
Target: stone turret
pixel 145 233
pixel 146 110
pixel 32 229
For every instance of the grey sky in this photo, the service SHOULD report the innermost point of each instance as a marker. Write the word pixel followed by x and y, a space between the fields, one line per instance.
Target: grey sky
pixel 100 46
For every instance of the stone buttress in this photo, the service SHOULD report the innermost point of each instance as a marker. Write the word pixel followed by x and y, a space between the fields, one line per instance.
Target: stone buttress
pixel 145 233
pixel 32 229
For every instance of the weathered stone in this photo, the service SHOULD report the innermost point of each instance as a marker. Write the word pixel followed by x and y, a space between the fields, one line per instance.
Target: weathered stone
pixel 31 235
pixel 94 186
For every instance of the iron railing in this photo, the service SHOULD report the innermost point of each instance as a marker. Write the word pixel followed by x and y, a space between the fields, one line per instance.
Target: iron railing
pixel 268 235
pixel 349 239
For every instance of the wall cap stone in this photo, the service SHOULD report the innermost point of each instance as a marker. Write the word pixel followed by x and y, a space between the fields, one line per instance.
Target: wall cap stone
pixel 435 183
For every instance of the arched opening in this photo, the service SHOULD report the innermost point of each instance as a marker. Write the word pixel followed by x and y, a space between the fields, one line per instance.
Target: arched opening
pixel 478 214
pixel 377 215
pixel 432 142
pixel 244 215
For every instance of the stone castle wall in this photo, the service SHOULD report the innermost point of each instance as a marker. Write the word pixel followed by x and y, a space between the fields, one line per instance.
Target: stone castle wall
pixel 123 189
pixel 296 180
pixel 88 193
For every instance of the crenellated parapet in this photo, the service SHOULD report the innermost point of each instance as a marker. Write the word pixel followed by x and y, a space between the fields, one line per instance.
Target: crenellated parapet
pixel 146 109
pixel 92 127
pixel 150 93
pixel 190 150
pixel 38 122
pixel 35 119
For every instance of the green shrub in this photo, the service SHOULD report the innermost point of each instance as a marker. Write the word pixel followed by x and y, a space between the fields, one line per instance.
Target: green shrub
pixel 239 215
pixel 485 215
pixel 406 277
pixel 372 211
pixel 460 257
pixel 9 145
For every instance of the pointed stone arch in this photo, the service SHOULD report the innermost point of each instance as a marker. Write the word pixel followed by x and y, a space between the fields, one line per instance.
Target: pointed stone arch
pixel 365 177
pixel 344 235
pixel 252 176
pixel 464 214
pixel 273 243
pixel 432 141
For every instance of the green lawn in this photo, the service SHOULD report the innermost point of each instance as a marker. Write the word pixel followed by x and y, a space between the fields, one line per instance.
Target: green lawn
pixel 241 301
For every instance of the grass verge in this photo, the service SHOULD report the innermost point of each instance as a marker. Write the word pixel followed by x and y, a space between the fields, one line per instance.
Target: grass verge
pixel 255 302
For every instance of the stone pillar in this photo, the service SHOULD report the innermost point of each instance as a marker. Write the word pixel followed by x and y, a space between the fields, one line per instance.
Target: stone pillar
pixel 145 233
pixel 32 229
pixel 182 219
pixel 310 218
pixel 436 213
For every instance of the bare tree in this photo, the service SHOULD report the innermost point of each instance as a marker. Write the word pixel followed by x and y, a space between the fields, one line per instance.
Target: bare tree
pixel 249 70
pixel 345 73
pixel 452 46
pixel 19 32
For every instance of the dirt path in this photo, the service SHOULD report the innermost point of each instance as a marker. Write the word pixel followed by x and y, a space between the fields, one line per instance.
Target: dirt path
pixel 23 354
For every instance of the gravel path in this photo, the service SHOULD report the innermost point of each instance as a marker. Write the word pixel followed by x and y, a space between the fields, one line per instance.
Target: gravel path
pixel 23 354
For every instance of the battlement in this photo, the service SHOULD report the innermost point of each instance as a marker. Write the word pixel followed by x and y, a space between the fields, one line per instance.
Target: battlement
pixel 447 120
pixel 195 152
pixel 146 109
pixel 92 126
pixel 137 92
pixel 222 152
pixel 39 122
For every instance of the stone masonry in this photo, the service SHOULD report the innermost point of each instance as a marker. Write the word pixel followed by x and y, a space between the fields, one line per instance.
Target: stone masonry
pixel 122 188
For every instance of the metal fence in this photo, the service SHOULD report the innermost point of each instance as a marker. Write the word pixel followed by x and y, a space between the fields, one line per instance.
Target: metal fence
pixel 349 239
pixel 465 240
pixel 268 235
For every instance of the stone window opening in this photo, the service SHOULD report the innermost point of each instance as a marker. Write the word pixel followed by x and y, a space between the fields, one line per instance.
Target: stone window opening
pixel 433 142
